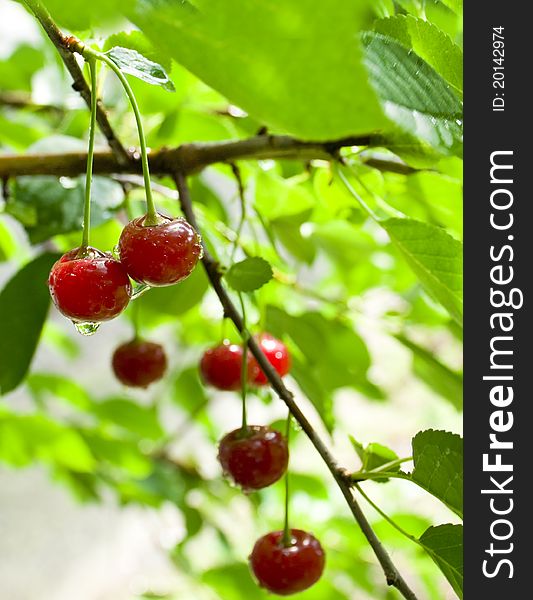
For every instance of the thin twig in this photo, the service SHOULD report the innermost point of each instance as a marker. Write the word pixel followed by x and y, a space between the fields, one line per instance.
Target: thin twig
pixel 211 267
pixel 60 41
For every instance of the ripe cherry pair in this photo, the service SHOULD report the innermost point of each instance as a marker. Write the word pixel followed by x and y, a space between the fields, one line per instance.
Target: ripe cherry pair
pixel 88 285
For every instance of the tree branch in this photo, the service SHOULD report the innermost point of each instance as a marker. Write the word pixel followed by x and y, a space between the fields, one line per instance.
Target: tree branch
pixel 188 158
pixel 213 273
pixel 60 41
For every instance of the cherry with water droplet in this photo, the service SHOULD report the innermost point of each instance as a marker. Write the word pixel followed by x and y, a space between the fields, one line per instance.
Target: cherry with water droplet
pixel 287 568
pixel 277 354
pixel 221 366
pixel 89 286
pixel 161 254
pixel 139 363
pixel 254 457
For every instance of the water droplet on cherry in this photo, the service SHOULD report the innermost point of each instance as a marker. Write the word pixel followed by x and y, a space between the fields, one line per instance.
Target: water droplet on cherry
pixel 86 329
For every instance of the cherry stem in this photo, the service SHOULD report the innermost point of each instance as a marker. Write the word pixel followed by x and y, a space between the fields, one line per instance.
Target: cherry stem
pixel 240 186
pixel 244 365
pixel 90 153
pixel 135 319
pixel 286 529
pixel 151 213
pixel 385 516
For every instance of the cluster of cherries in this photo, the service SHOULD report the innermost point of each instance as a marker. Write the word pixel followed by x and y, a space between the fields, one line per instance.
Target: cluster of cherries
pixel 90 286
pixel 255 457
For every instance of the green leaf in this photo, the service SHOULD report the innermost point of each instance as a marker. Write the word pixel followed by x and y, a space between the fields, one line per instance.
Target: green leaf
pixel 414 96
pixel 429 42
pixel 315 391
pixel 375 455
pixel 188 392
pixel 444 544
pixel 135 40
pixel 79 15
pixel 133 63
pixel 175 300
pixel 428 196
pixel 17 71
pixel 120 453
pixel 331 355
pixel 41 384
pixel 48 206
pixel 127 415
pixel 273 60
pixel 438 460
pixel 249 274
pixel 277 198
pixel 8 245
pixel 24 303
pixel 26 438
pixel 442 379
pixel 436 259
pixel 455 5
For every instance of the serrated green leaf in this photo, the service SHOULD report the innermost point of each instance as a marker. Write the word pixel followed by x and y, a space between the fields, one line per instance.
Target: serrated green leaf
pixel 429 42
pixel 24 303
pixel 133 63
pixel 249 274
pixel 438 460
pixel 436 259
pixel 273 60
pixel 375 455
pixel 413 95
pixel 136 40
pixel 444 544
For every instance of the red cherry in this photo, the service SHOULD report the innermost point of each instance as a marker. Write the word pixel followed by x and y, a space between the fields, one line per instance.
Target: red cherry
pixel 277 355
pixel 255 457
pixel 286 570
pixel 93 288
pixel 221 366
pixel 162 254
pixel 139 363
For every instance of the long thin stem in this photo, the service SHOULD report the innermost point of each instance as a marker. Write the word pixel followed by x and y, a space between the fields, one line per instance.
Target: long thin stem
pixel 356 195
pixel 244 368
pixel 79 84
pixel 136 319
pixel 90 152
pixel 385 516
pixel 286 527
pixel 392 574
pixel 151 218
pixel 242 217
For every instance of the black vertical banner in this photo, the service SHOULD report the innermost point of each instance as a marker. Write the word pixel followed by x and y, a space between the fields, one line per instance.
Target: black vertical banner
pixel 498 311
